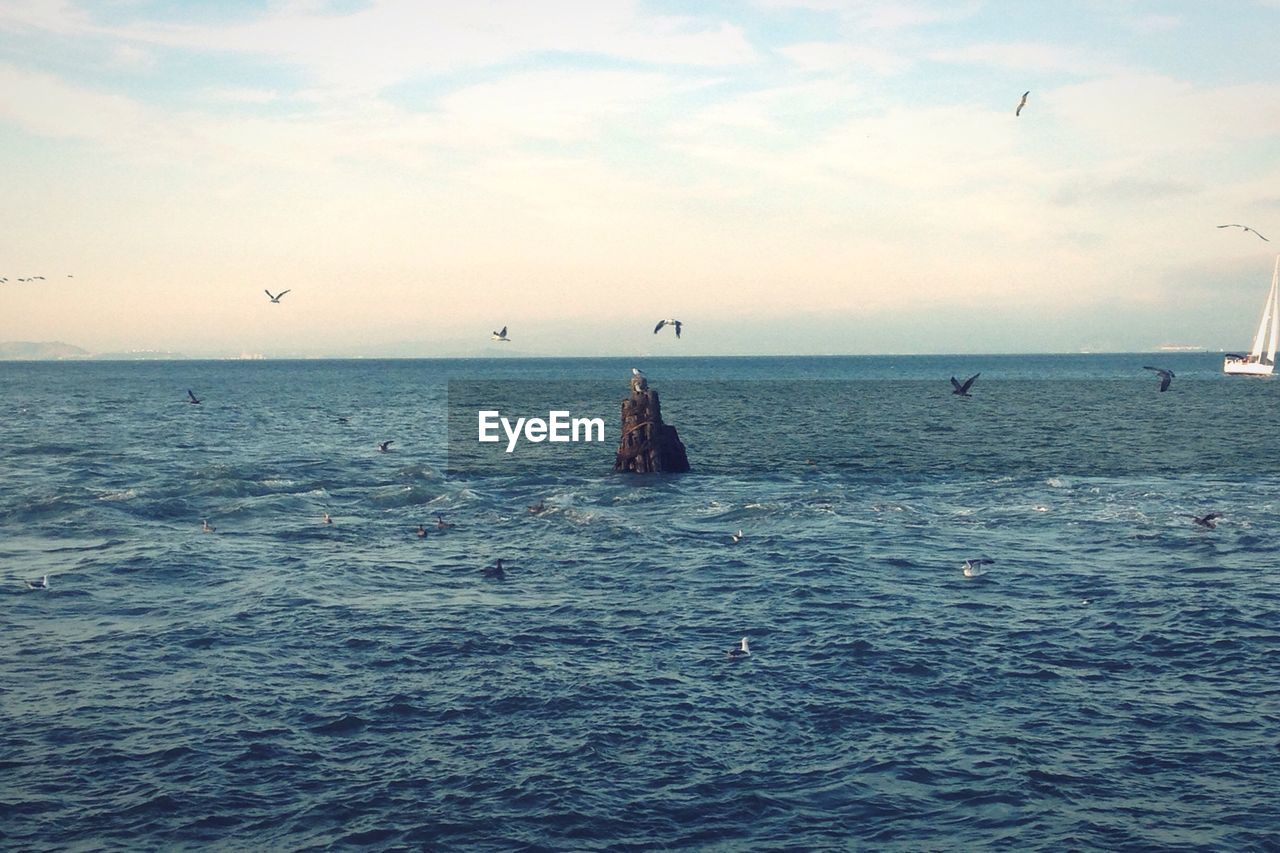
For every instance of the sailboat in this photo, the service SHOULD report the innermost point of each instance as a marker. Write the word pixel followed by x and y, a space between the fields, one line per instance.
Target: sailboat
pixel 1258 362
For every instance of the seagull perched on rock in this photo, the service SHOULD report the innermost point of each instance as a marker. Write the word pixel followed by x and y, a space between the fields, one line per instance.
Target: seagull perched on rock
pixel 275 299
pixel 43 583
pixel 1245 227
pixel 1022 103
pixel 1206 520
pixel 501 336
pixel 662 323
pixel 192 398
pixel 962 388
pixel 740 650
pixel 973 568
pixel 1166 376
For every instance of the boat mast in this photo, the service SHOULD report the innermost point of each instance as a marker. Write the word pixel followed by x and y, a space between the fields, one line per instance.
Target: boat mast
pixel 1271 311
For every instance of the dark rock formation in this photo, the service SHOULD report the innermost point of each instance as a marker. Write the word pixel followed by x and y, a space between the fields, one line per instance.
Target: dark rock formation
pixel 647 445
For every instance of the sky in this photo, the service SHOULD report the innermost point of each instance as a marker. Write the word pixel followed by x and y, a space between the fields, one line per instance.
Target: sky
pixel 784 176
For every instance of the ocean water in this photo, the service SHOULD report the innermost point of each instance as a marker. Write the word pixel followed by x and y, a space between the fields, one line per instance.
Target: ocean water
pixel 1113 680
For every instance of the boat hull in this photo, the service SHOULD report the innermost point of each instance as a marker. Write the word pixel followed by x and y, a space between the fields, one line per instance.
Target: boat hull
pixel 1246 368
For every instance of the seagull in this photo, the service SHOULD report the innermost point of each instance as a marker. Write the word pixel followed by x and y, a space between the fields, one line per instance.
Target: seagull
pixel 326 519
pixel 501 336
pixel 1166 376
pixel 540 506
pixel 494 571
pixel 1245 227
pixel 963 389
pixel 973 568
pixel 43 583
pixel 206 527
pixel 192 398
pixel 1206 520
pixel 276 298
pixel 740 650
pixel 662 323
pixel 441 524
pixel 1022 103
pixel 635 371
pixel 737 537
pixel 383 445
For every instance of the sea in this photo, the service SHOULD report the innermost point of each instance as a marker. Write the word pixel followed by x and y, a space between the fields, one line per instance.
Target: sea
pixel 1110 681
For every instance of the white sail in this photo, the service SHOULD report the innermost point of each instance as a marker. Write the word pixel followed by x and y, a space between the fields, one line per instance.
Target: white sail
pixel 1275 318
pixel 1261 360
pixel 1267 312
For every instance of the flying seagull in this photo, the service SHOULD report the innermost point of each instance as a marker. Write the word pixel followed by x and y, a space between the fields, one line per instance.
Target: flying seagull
pixel 192 398
pixel 963 388
pixel 1166 376
pixel 1022 103
pixel 43 583
pixel 740 650
pixel 1206 520
pixel 276 298
pixel 662 323
pixel 501 336
pixel 383 445
pixel 973 568
pixel 1245 227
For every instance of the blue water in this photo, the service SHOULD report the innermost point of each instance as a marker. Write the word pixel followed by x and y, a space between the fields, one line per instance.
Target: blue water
pixel 1112 682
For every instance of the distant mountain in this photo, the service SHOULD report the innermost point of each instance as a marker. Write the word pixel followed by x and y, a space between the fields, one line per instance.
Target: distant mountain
pixel 42 351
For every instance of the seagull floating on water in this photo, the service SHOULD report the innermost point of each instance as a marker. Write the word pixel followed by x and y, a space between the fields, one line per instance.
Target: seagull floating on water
pixel 1206 520
pixel 1245 227
pixel 1166 376
pixel 973 568
pixel 275 299
pixel 383 445
pixel 1022 103
pixel 192 398
pixel 43 583
pixel 206 527
pixel 662 323
pixel 326 519
pixel 501 336
pixel 962 388
pixel 740 650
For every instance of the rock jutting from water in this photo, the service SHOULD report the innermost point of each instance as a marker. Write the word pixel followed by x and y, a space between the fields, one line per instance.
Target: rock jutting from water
pixel 647 445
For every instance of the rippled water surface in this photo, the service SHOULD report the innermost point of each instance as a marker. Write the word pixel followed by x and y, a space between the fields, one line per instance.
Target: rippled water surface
pixel 1112 681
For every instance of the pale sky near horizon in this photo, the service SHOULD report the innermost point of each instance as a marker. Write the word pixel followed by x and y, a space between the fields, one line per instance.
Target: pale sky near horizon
pixel 785 176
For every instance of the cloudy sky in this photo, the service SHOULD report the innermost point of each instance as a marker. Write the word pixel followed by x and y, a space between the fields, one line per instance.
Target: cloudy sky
pixel 785 176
